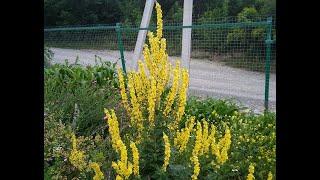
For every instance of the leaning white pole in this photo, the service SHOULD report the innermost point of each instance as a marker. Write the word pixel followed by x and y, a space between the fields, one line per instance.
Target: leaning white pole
pixel 142 33
pixel 186 33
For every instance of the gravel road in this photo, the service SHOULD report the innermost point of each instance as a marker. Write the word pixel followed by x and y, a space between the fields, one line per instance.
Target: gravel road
pixel 207 78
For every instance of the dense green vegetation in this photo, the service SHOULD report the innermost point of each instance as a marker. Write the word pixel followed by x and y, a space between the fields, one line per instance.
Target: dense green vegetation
pixel 74 100
pixel 80 132
pixel 83 12
pixel 80 94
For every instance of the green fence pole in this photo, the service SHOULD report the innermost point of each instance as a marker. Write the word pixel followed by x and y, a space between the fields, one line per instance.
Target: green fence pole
pixel 267 67
pixel 120 45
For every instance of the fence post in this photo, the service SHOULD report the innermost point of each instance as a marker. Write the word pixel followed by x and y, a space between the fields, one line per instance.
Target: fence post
pixel 120 46
pixel 186 34
pixel 267 65
pixel 147 12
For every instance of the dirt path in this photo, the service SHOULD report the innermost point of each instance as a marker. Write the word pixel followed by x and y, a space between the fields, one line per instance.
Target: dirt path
pixel 207 78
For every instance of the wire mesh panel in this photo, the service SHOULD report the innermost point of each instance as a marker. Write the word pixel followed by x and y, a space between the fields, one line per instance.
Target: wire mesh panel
pixel 229 61
pixel 228 55
pixel 81 38
pixel 129 34
pixel 86 44
pixel 173 35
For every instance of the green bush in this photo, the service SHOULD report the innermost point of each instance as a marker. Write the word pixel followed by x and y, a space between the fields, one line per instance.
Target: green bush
pixel 203 108
pixel 81 94
pixel 248 14
pixel 57 149
pixel 253 141
pixel 253 137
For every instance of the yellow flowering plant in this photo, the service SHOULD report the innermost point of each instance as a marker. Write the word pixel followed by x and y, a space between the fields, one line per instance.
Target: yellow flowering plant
pixel 68 156
pixel 253 137
pixel 155 97
pixel 155 131
pixel 77 157
pixel 98 174
pixel 161 136
pixel 251 171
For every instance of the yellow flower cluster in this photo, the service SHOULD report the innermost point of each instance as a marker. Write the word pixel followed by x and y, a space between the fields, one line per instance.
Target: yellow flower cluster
pixel 204 141
pixel 211 139
pixel 182 96
pixel 151 100
pixel 76 157
pixel 136 114
pixel 251 171
pixel 135 155
pixel 165 69
pixel 147 59
pixel 146 86
pixel 145 92
pixel 221 149
pixel 123 89
pixel 119 177
pixel 182 137
pixel 269 176
pixel 196 168
pixel 173 90
pixel 157 62
pixel 195 152
pixel 156 57
pixel 113 128
pixel 199 139
pixel 159 20
pixel 143 97
pixel 138 87
pixel 144 81
pixel 167 151
pixel 98 174
pixel 123 167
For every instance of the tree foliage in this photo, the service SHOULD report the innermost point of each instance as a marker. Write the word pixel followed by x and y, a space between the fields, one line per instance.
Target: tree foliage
pixel 81 12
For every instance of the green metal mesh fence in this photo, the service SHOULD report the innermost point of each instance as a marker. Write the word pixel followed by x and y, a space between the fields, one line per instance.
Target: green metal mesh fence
pixel 95 37
pixel 228 55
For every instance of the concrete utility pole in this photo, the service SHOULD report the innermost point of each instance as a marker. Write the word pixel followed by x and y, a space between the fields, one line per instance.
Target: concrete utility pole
pixel 143 33
pixel 186 33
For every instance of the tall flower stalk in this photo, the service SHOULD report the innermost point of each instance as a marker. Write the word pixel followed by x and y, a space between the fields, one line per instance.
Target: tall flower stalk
pixel 155 99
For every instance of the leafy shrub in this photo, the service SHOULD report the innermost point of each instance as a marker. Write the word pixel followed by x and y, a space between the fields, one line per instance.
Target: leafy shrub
pixel 81 94
pixel 157 134
pixel 203 108
pixel 260 149
pixel 57 149
pixel 73 75
pixel 164 151
pixel 254 139
pixel 248 14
